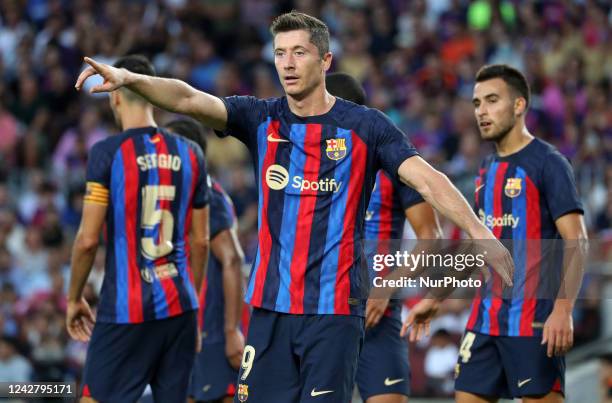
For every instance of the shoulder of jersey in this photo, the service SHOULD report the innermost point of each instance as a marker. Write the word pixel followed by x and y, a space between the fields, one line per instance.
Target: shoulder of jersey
pixel 544 149
pixel 111 142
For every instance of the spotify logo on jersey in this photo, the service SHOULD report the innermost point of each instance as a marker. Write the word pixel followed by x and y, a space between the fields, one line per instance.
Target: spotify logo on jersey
pixel 277 177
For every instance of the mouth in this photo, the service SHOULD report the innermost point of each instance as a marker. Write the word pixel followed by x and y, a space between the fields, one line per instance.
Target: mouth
pixel 291 80
pixel 485 124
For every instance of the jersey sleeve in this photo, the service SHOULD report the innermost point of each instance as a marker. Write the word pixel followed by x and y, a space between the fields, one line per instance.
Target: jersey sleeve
pixel 560 186
pixel 244 115
pixel 392 146
pixel 201 195
pixel 98 175
pixel 221 217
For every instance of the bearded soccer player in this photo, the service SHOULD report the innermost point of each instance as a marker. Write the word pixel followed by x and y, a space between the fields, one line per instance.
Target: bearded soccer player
pixel 383 372
pixel 525 191
pixel 316 159
pixel 221 312
pixel 150 189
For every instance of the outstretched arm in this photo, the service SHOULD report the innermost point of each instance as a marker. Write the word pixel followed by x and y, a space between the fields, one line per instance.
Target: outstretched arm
pixel 440 193
pixel 165 93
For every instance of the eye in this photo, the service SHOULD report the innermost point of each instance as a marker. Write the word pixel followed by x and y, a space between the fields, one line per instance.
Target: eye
pixel 278 53
pixel 299 53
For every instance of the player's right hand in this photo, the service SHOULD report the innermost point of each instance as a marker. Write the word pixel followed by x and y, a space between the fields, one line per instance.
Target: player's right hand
pixel 113 77
pixel 419 319
pixel 234 347
pixel 496 256
pixel 79 320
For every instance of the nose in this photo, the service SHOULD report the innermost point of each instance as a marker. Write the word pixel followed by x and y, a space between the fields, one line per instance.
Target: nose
pixel 481 110
pixel 289 62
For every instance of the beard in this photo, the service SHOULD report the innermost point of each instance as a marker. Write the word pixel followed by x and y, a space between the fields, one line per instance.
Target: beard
pixel 505 126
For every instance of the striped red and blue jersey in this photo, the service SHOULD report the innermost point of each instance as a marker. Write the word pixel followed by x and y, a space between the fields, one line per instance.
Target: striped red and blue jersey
pixel 519 197
pixel 315 175
pixel 386 212
pixel 151 182
pixel 212 301
pixel 384 221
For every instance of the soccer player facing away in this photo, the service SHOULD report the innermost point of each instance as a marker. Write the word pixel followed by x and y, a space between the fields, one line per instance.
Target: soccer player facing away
pixel 514 347
pixel 383 372
pixel 316 159
pixel 150 189
pixel 221 309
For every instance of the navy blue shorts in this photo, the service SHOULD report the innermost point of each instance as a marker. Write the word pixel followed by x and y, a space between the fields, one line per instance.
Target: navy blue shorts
pixel 299 358
pixel 212 377
pixel 383 362
pixel 508 367
pixel 123 358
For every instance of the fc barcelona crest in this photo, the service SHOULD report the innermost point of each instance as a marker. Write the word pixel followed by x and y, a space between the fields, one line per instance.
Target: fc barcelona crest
pixel 243 392
pixel 336 149
pixel 513 187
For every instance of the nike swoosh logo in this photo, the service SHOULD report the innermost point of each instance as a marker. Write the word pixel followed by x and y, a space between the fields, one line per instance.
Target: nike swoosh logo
pixel 315 393
pixel 521 383
pixel 389 382
pixel 478 188
pixel 273 139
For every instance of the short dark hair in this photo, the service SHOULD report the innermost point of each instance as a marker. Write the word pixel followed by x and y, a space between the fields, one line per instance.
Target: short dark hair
pixel 189 129
pixel 136 64
pixel 345 86
pixel 293 21
pixel 511 76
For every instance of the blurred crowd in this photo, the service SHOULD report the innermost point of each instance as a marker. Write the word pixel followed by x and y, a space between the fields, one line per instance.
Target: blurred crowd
pixel 416 59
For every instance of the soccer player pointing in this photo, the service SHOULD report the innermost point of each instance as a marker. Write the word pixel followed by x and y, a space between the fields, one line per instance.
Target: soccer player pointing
pixel 306 284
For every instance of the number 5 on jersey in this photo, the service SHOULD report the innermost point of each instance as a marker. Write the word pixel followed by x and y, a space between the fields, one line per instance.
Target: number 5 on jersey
pixel 154 217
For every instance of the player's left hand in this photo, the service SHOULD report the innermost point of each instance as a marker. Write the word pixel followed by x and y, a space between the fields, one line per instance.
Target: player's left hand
pixel 419 319
pixel 375 309
pixel 79 320
pixel 234 347
pixel 558 331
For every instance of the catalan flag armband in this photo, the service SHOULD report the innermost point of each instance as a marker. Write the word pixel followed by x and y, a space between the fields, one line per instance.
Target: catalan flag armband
pixel 96 193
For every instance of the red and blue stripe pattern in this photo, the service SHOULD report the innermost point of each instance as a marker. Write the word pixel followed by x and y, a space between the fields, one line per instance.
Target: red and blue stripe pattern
pixel 126 296
pixel 510 315
pixel 307 236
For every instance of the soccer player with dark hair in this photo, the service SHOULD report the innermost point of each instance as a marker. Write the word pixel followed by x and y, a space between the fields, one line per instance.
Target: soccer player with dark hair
pixel 383 372
pixel 315 159
pixel 215 370
pixel 150 189
pixel 514 346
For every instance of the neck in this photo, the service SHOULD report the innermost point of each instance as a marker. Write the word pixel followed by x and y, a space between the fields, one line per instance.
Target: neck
pixel 318 102
pixel 514 141
pixel 136 117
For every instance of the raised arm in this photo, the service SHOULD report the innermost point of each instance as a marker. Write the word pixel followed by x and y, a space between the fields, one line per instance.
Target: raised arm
pixel 439 192
pixel 166 93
